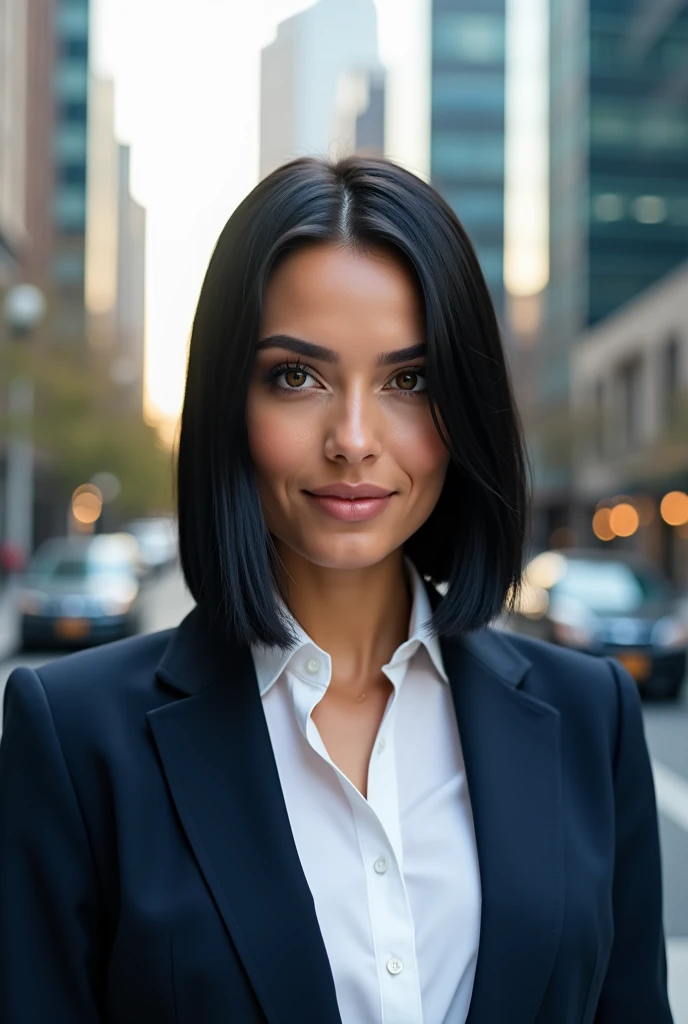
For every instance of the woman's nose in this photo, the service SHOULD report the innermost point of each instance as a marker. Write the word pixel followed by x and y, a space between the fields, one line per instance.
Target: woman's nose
pixel 354 428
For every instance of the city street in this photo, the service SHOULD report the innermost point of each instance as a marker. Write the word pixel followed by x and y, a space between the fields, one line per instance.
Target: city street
pixel 667 731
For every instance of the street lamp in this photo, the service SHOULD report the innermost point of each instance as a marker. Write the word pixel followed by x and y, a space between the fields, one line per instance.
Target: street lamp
pixel 23 309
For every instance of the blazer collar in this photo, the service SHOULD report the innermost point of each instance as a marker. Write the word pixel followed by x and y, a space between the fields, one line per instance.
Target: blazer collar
pixel 216 754
pixel 270 662
pixel 198 652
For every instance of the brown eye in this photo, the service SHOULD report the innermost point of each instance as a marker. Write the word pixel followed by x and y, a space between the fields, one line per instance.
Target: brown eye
pixel 406 380
pixel 295 378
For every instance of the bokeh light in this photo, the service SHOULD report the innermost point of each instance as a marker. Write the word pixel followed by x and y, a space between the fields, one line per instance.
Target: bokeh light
pixel 546 569
pixel 601 526
pixel 674 508
pixel 623 520
pixel 87 504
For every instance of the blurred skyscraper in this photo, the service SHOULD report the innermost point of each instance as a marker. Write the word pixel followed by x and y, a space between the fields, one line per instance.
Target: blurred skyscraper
pixel 619 160
pixel 467 157
pixel 115 252
pixel 618 188
pixel 321 83
pixel 69 94
pixel 13 83
pixel 127 370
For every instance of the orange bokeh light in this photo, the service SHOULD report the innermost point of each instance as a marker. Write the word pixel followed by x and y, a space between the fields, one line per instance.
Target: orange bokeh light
pixel 624 520
pixel 87 504
pixel 674 508
pixel 600 524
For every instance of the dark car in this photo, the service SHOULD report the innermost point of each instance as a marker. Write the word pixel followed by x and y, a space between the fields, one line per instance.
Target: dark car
pixel 80 591
pixel 608 604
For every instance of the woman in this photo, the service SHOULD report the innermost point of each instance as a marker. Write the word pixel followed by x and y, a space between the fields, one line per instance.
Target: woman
pixel 331 794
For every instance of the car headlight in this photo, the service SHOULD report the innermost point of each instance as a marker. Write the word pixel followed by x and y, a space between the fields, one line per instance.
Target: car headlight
pixel 116 605
pixel 32 602
pixel 670 632
pixel 119 599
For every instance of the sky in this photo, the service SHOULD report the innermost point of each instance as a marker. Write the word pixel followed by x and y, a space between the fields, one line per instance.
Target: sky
pixel 186 78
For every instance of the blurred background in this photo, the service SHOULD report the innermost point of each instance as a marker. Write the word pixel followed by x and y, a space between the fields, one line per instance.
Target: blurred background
pixel 557 130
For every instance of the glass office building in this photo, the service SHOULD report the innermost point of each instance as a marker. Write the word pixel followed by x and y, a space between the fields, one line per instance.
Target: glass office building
pixel 70 86
pixel 468 123
pixel 618 161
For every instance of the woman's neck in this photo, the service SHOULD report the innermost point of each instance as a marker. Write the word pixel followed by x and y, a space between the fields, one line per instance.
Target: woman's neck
pixel 359 616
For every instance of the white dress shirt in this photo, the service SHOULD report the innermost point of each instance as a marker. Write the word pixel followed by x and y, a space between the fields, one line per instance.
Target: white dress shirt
pixel 394 877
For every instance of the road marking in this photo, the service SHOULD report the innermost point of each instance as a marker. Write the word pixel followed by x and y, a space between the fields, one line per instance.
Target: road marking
pixel 672 794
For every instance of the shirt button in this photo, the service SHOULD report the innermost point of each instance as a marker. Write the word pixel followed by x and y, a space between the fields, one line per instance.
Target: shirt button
pixel 382 744
pixel 380 865
pixel 395 966
pixel 313 665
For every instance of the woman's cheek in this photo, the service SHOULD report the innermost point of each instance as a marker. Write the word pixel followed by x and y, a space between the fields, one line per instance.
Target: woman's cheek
pixel 414 441
pixel 279 438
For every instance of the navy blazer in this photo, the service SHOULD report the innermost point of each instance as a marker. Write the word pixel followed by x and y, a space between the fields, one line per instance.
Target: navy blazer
pixel 148 872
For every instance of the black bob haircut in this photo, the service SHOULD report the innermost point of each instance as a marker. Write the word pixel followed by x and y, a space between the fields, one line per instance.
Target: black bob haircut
pixel 473 541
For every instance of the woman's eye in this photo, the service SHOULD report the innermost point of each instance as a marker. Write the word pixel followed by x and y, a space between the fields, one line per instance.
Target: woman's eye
pixel 292 378
pixel 409 381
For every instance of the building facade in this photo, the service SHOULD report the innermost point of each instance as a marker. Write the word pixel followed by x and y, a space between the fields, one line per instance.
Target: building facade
pixel 13 82
pixel 39 178
pixel 115 252
pixel 467 159
pixel 618 187
pixel 128 367
pixel 629 390
pixel 310 74
pixel 70 88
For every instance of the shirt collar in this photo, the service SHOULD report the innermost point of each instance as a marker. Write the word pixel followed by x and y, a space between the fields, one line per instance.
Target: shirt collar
pixel 270 662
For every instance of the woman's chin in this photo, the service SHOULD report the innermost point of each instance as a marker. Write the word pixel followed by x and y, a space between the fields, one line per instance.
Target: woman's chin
pixel 346 552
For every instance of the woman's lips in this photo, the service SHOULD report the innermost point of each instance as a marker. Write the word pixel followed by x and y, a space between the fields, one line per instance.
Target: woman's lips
pixel 350 510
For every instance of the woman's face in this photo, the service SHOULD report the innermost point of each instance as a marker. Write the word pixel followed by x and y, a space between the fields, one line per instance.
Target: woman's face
pixel 348 461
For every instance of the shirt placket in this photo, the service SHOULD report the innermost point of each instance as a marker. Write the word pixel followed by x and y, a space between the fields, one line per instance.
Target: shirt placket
pixel 378 829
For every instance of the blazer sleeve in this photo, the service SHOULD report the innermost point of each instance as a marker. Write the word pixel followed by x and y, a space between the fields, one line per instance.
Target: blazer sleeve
pixel 51 961
pixel 635 987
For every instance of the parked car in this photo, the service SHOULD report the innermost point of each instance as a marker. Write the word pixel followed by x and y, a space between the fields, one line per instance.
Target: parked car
pixel 81 591
pixel 157 539
pixel 611 604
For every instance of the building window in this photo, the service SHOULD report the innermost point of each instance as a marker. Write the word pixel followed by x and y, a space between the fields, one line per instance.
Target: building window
pixel 458 154
pixel 74 48
pixel 670 380
pixel 468 93
pixel 608 207
pixel 630 386
pixel 71 80
pixel 649 209
pixel 68 268
pixel 70 208
pixel 72 174
pixel 474 38
pixel 70 143
pixel 72 111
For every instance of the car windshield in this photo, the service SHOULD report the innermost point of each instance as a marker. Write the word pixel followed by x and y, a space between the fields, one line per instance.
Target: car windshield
pixel 53 566
pixel 611 586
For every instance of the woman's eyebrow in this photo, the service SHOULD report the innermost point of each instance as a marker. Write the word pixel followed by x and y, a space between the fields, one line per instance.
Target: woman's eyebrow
pixel 301 348
pixel 402 355
pixel 327 355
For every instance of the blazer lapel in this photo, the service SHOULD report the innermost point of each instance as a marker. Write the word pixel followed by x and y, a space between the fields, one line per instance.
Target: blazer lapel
pixel 216 753
pixel 510 743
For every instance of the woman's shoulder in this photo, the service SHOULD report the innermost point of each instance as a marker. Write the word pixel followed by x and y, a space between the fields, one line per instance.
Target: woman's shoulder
pixel 96 681
pixel 581 687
